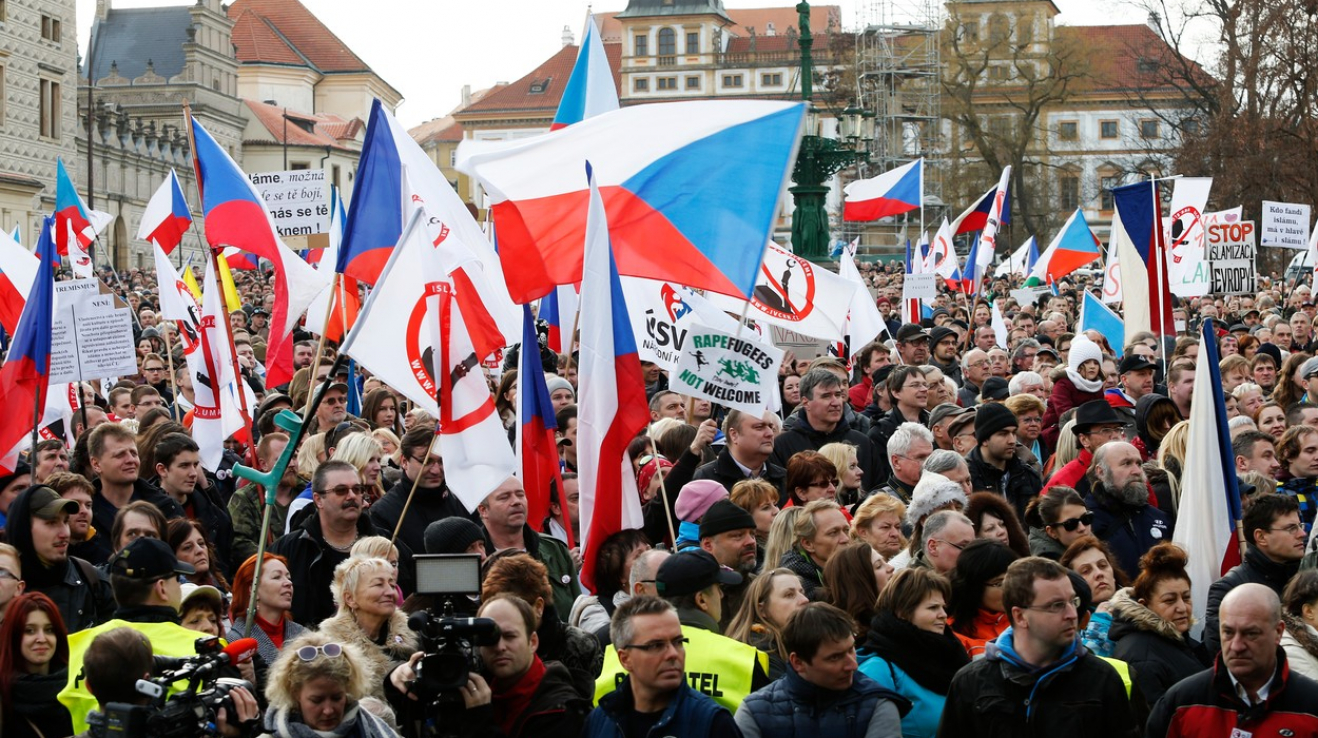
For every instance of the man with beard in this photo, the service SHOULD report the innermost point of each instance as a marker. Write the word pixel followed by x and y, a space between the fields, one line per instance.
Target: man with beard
pixel 942 341
pixel 727 532
pixel 1119 499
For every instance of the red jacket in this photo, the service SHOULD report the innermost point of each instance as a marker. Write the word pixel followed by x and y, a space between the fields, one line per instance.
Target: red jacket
pixel 1206 705
pixel 859 394
pixel 1065 396
pixel 1071 474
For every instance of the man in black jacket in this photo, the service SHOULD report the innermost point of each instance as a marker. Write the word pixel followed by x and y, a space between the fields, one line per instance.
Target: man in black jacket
pixel 178 467
pixel 1276 545
pixel 432 500
pixel 1037 679
pixel 820 422
pixel 909 391
pixel 994 465
pixel 38 527
pixel 112 453
pixel 746 455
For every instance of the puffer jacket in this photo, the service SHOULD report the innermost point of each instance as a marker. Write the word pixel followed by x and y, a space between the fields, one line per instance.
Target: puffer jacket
pixel 1159 656
pixel 1018 483
pixel 1001 695
pixel 794 708
pixel 689 714
pixel 1206 704
pixel 1257 568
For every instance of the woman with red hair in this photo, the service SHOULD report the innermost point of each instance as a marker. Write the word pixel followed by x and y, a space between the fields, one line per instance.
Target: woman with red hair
pixel 34 667
pixel 274 599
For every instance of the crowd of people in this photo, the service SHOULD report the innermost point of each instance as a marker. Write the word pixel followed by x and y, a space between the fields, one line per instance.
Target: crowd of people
pixel 942 537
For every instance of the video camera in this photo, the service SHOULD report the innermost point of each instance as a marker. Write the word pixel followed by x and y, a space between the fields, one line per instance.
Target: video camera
pixel 188 713
pixel 450 642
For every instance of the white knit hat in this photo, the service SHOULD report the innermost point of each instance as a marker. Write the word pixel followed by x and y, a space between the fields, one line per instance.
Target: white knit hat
pixel 932 492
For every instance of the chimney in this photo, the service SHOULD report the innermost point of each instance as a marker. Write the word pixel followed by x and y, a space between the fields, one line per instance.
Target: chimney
pixel 568 37
pixel 466 95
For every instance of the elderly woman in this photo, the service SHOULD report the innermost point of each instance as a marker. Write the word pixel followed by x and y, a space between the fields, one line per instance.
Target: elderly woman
pixel 316 688
pixel 878 522
pixel 369 616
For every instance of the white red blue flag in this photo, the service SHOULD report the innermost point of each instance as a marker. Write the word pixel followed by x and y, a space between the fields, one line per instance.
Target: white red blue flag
pixel 612 407
pixel 891 193
pixel 590 89
pixel 541 474
pixel 25 375
pixel 167 216
pixel 1137 238
pixel 18 267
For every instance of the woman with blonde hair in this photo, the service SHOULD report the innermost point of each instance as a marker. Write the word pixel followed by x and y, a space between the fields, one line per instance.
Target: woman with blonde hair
pixel 878 522
pixel 780 536
pixel 310 455
pixel 315 688
pixel 369 617
pixel 770 600
pixel 850 485
pixel 1171 458
pixel 1066 450
pixel 759 498
pixel 365 453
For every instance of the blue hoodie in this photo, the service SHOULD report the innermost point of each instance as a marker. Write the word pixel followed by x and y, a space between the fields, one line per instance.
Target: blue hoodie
pixel 1004 649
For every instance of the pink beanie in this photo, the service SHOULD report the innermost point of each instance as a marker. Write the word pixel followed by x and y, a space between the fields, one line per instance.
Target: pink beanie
pixel 697 497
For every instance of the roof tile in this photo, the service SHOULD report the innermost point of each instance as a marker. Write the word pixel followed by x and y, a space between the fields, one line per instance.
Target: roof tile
pixel 302 32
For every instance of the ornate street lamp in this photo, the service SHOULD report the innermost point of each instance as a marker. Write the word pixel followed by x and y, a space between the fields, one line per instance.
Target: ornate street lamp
pixel 819 157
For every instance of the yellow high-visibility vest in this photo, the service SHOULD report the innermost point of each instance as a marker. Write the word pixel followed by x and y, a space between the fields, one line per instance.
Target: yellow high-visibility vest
pixel 1123 669
pixel 716 666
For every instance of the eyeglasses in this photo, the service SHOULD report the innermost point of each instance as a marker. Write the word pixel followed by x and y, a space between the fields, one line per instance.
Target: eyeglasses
pixel 1058 607
pixel 7 574
pixel 423 462
pixel 335 400
pixel 309 653
pixel 1103 430
pixel 957 546
pixel 678 644
pixel 343 489
pixel 153 368
pixel 1071 524
pixel 1291 529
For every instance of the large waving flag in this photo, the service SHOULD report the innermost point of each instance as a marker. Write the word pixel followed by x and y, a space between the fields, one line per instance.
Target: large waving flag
pixel 590 90
pixel 541 474
pixel 394 178
pixel 691 190
pixel 1146 295
pixel 1210 504
pixel 942 253
pixel 75 224
pixel 217 413
pixel 911 311
pixel 167 216
pixel 1074 246
pixel 988 238
pixel 794 293
pixel 612 405
pixel 335 309
pixel 18 268
pixel 864 321
pixel 891 193
pixel 1021 261
pixel 25 375
pixel 1094 315
pixel 976 216
pixel 235 215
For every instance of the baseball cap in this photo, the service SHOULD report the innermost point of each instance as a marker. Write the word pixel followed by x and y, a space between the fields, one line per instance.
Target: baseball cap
pixel 148 558
pixel 1309 368
pixel 944 411
pixel 1134 363
pixel 691 571
pixel 1050 351
pixel 45 503
pixel 204 591
pixel 910 332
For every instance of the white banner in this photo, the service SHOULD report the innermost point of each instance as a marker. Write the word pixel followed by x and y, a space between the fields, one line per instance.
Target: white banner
pixel 1188 274
pixel 1231 253
pixel 662 315
pixel 740 373
pixel 793 293
pixel 1285 225
pixel 296 200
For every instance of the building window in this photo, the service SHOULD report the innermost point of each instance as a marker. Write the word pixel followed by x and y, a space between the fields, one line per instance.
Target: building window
pixel 1107 129
pixel 335 173
pixel 641 44
pixel 771 80
pixel 667 42
pixel 667 83
pixel 50 109
pixel 693 42
pixel 732 80
pixel 51 28
pixel 452 159
pixel 1105 186
pixel 1068 130
pixel 1190 126
pixel 999 72
pixel 298 166
pixel 1148 128
pixel 1068 191
pixel 999 28
pixel 693 83
pixel 970 31
pixel 640 84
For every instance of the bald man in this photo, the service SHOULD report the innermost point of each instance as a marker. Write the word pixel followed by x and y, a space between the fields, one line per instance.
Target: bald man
pixel 1249 690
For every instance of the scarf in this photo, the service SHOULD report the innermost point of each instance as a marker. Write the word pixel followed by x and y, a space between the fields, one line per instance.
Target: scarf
pixel 509 704
pixel 33 695
pixel 356 722
pixel 931 659
pixel 1082 384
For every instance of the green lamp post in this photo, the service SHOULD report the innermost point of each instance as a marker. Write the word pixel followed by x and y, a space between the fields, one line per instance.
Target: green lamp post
pixel 819 158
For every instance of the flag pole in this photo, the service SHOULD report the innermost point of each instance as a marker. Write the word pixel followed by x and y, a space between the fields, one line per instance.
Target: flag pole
pixel 169 356
pixel 1162 276
pixel 36 423
pixel 415 483
pixel 659 470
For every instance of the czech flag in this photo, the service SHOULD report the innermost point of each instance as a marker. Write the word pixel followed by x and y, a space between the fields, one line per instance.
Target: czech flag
pixel 891 193
pixel 235 215
pixel 541 474
pixel 691 190
pixel 1210 504
pixel 976 216
pixel 72 214
pixel 612 405
pixel 559 310
pixel 241 260
pixel 1137 238
pixel 914 265
pixel 1075 246
pixel 18 269
pixel 167 216
pixel 590 89
pixel 1096 316
pixel 25 375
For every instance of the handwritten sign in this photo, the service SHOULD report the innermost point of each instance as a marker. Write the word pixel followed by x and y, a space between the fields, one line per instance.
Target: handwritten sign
pixel 1285 225
pixel 91 337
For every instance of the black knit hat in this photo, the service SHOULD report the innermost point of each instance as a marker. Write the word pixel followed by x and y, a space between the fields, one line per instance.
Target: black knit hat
pixel 724 516
pixel 991 418
pixel 451 535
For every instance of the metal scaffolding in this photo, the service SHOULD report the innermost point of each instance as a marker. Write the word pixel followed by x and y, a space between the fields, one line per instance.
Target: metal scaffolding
pixel 898 68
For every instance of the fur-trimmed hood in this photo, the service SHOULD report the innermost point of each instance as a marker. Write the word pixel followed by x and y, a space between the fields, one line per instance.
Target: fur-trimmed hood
pixel 1129 615
pixel 400 642
pixel 1302 633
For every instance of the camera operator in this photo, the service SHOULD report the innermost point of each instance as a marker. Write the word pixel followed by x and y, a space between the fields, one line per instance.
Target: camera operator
pixel 112 659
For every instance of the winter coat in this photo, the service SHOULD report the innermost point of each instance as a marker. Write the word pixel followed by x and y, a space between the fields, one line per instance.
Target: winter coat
pixel 78 589
pixel 1143 406
pixel 554 555
pixel 689 714
pixel 918 665
pixel 1065 395
pixel 1072 474
pixel 1159 656
pixel 396 644
pixel 34 710
pixel 1001 695
pixel 1018 483
pixel 1257 568
pixel 103 511
pixel 356 723
pixel 986 626
pixel 264 646
pixel 1128 531
pixel 811 575
pixel 794 708
pixel 1206 704
pixel 799 436
pixel 724 470
pixel 1042 544
pixel 246 508
pixel 576 649
pixel 311 564
pixel 1300 641
pixel 428 505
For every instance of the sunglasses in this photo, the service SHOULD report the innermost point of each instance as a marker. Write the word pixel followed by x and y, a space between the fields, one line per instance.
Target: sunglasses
pixel 1073 523
pixel 309 653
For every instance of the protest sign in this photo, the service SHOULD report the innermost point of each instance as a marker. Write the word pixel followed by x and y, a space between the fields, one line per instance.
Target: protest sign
pixel 296 200
pixel 920 287
pixel 662 315
pixel 1231 254
pixel 738 372
pixel 91 334
pixel 1285 225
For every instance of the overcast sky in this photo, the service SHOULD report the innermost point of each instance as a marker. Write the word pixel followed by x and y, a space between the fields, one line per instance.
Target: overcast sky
pixel 428 49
